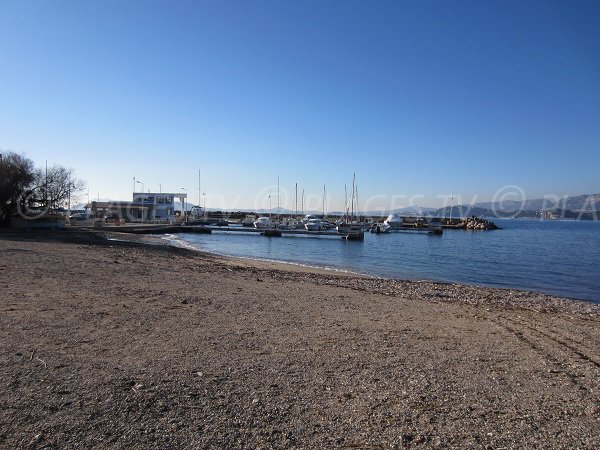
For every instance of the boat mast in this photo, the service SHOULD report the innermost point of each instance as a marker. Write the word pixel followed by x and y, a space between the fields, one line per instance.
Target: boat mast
pixel 204 195
pixel 277 197
pixel 352 201
pixel 345 203
pixel 451 198
pixel 323 201
pixel 357 210
pixel 296 210
pixel 302 202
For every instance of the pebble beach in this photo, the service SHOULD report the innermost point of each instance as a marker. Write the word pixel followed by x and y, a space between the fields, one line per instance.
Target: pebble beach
pixel 113 344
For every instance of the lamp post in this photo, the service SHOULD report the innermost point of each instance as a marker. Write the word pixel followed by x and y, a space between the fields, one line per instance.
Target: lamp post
pixel 1 170
pixel 184 207
pixel 140 182
pixel 69 197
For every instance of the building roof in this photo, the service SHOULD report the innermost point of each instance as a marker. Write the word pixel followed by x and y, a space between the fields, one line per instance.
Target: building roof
pixel 179 195
pixel 118 204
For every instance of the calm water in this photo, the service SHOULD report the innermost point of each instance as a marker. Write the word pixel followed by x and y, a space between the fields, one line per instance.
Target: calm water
pixel 556 257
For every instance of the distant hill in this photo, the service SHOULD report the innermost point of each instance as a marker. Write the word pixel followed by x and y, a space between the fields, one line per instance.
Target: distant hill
pixel 570 207
pixel 589 202
pixel 462 211
pixel 581 203
pixel 406 211
pixel 555 213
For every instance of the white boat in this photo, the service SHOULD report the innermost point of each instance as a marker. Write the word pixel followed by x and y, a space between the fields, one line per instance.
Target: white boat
pixel 289 224
pixel 249 220
pixel 380 228
pixel 197 213
pixel 314 225
pixel 309 217
pixel 263 223
pixel 394 221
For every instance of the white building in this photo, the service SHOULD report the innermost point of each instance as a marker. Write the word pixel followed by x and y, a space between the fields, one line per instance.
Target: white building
pixel 158 206
pixel 145 207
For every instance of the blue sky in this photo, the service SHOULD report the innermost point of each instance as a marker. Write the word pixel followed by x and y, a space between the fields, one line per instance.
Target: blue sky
pixel 419 98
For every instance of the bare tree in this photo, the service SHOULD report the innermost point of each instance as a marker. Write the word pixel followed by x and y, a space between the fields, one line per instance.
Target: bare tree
pixel 33 192
pixel 56 186
pixel 17 175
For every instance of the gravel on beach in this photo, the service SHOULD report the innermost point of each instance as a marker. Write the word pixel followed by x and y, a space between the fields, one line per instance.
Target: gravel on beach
pixel 111 344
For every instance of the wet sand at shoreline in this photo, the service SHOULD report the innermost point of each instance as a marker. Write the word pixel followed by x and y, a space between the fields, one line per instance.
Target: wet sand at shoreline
pixel 110 344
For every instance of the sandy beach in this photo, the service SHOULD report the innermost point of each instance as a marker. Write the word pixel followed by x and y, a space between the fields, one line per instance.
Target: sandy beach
pixel 111 344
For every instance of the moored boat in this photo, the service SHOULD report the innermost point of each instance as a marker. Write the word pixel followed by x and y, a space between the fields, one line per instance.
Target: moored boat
pixel 249 220
pixel 355 234
pixel 380 228
pixel 393 221
pixel 289 224
pixel 263 223
pixel 314 225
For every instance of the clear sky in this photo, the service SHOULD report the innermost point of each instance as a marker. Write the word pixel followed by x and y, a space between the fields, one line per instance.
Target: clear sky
pixel 419 98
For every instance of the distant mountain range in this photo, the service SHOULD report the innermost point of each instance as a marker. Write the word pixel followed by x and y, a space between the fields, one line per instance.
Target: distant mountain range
pixel 590 202
pixel 528 208
pixel 567 207
pixel 405 211
pixel 585 207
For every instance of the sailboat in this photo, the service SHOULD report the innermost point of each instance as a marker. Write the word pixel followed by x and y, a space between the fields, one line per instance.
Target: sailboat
pixel 265 222
pixel 290 222
pixel 351 230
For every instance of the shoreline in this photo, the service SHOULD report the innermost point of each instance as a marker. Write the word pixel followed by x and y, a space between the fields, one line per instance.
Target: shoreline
pixel 160 240
pixel 125 344
pixel 283 264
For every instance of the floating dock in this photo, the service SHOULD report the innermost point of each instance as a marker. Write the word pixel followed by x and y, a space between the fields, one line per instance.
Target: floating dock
pixel 267 232
pixel 208 229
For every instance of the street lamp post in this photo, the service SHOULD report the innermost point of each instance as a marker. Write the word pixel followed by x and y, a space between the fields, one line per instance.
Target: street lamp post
pixel 69 198
pixel 1 169
pixel 184 206
pixel 140 182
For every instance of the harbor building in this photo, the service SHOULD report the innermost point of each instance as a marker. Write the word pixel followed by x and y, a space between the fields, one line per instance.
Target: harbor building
pixel 158 207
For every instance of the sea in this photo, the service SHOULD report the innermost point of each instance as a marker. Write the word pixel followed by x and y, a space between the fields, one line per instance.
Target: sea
pixel 558 257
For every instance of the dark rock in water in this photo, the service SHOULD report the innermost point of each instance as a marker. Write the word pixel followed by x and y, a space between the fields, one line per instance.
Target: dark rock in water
pixel 272 233
pixel 475 223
